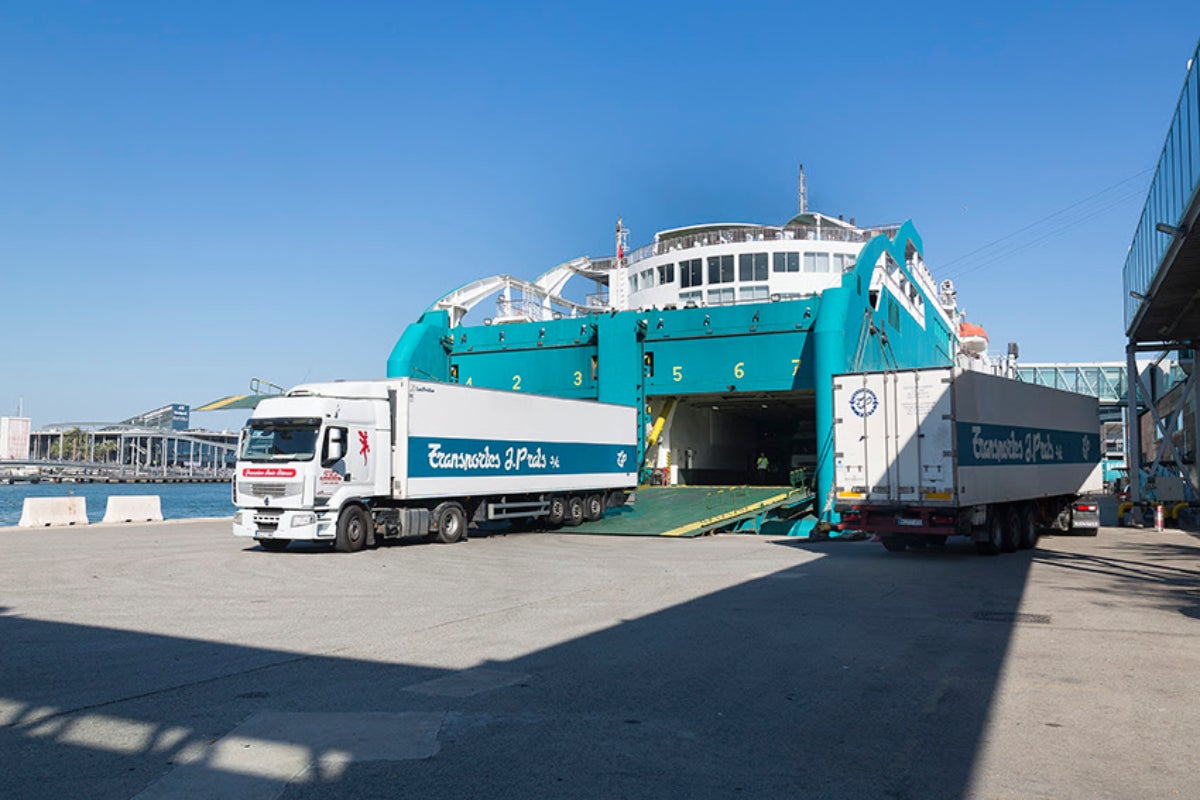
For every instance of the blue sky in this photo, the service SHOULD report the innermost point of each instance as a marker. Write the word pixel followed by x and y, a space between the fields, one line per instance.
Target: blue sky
pixel 194 195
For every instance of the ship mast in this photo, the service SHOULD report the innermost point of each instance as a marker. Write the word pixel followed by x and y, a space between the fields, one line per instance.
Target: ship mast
pixel 622 241
pixel 802 191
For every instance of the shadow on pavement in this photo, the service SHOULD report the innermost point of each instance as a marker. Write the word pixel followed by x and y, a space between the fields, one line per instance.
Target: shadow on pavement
pixel 854 673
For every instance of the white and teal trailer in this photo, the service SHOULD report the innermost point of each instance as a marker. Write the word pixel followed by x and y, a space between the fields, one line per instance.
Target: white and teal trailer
pixel 922 454
pixel 347 462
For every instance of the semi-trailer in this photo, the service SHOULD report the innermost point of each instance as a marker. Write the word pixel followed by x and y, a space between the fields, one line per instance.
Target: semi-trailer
pixel 352 462
pixel 924 454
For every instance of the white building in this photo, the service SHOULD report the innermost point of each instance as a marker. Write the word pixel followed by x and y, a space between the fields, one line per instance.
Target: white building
pixel 14 438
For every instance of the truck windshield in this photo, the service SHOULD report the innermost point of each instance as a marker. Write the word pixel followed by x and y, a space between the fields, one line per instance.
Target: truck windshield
pixel 280 440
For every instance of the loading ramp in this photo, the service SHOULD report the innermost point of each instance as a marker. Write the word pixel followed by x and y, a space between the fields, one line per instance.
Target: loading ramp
pixel 687 511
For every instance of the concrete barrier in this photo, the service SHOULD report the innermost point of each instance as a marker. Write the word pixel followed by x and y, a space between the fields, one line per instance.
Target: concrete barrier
pixel 40 512
pixel 133 508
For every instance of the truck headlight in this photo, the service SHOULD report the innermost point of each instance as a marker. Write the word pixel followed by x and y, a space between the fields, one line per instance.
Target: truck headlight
pixel 300 520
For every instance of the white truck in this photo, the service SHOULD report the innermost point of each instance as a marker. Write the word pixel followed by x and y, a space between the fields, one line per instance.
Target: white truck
pixel 923 454
pixel 350 462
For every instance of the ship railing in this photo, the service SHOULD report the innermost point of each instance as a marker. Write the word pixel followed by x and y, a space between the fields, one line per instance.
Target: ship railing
pixel 719 236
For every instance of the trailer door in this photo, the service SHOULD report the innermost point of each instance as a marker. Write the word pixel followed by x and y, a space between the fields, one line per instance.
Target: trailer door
pixel 925 436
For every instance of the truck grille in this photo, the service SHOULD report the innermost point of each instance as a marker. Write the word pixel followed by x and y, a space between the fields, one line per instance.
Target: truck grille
pixel 263 489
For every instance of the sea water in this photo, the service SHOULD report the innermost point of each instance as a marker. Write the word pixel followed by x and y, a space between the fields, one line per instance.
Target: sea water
pixel 179 500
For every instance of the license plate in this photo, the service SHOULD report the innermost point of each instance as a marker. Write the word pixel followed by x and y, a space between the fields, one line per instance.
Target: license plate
pixel 912 523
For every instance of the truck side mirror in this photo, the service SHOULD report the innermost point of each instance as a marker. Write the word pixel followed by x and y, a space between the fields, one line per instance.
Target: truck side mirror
pixel 335 446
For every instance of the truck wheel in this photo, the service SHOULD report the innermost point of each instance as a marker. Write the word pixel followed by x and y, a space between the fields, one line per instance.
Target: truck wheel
pixel 558 510
pixel 1029 528
pixel 274 545
pixel 995 527
pixel 574 514
pixel 352 530
pixel 593 507
pixel 893 544
pixel 451 522
pixel 1012 531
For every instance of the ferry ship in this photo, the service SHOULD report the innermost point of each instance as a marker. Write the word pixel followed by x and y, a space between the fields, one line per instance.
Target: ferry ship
pixel 725 335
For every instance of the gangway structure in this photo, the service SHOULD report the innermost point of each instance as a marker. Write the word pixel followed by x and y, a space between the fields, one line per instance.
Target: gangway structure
pixel 1162 290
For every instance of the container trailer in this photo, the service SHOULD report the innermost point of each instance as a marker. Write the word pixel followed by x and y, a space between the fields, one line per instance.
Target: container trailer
pixel 923 454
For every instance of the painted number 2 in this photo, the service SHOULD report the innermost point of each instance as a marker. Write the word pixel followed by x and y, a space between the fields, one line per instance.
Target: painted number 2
pixel 516 383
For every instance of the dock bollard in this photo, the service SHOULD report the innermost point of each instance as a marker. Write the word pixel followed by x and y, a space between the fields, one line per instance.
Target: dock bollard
pixel 1158 518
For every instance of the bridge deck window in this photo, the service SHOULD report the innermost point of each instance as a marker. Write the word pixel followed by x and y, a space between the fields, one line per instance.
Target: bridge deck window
pixel 752 267
pixel 787 262
pixel 691 273
pixel 816 262
pixel 720 269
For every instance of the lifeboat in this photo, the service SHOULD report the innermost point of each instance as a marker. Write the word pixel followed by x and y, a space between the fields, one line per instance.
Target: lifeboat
pixel 973 339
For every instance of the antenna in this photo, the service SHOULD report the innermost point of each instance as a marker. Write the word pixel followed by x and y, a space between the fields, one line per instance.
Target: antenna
pixel 802 191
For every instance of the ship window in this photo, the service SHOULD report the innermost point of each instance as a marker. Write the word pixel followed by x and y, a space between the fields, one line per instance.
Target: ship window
pixel 787 262
pixel 720 269
pixel 843 262
pixel 721 296
pixel 648 278
pixel 633 283
pixel 816 262
pixel 692 297
pixel 752 267
pixel 666 274
pixel 690 273
pixel 755 292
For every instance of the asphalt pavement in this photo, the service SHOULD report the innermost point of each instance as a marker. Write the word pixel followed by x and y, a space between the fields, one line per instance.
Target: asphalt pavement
pixel 174 661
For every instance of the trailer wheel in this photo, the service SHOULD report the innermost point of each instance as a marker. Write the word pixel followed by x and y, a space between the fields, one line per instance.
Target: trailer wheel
pixel 274 545
pixel 893 544
pixel 574 514
pixel 352 530
pixel 593 507
pixel 995 528
pixel 558 511
pixel 1029 527
pixel 1012 531
pixel 451 522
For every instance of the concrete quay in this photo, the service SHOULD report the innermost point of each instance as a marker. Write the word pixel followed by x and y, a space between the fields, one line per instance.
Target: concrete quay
pixel 170 660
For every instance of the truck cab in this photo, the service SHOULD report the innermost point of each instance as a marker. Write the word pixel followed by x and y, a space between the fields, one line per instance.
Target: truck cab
pixel 301 458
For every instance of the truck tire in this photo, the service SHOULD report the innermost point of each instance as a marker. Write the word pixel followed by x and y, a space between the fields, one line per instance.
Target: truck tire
pixel 451 522
pixel 274 545
pixel 593 507
pixel 558 511
pixel 574 514
pixel 352 530
pixel 892 543
pixel 1029 527
pixel 1012 530
pixel 995 529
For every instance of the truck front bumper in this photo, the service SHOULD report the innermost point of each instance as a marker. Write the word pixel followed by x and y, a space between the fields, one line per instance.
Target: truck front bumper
pixel 284 524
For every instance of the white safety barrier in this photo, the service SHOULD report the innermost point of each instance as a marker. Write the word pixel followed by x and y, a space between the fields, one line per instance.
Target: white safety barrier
pixel 133 508
pixel 39 512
